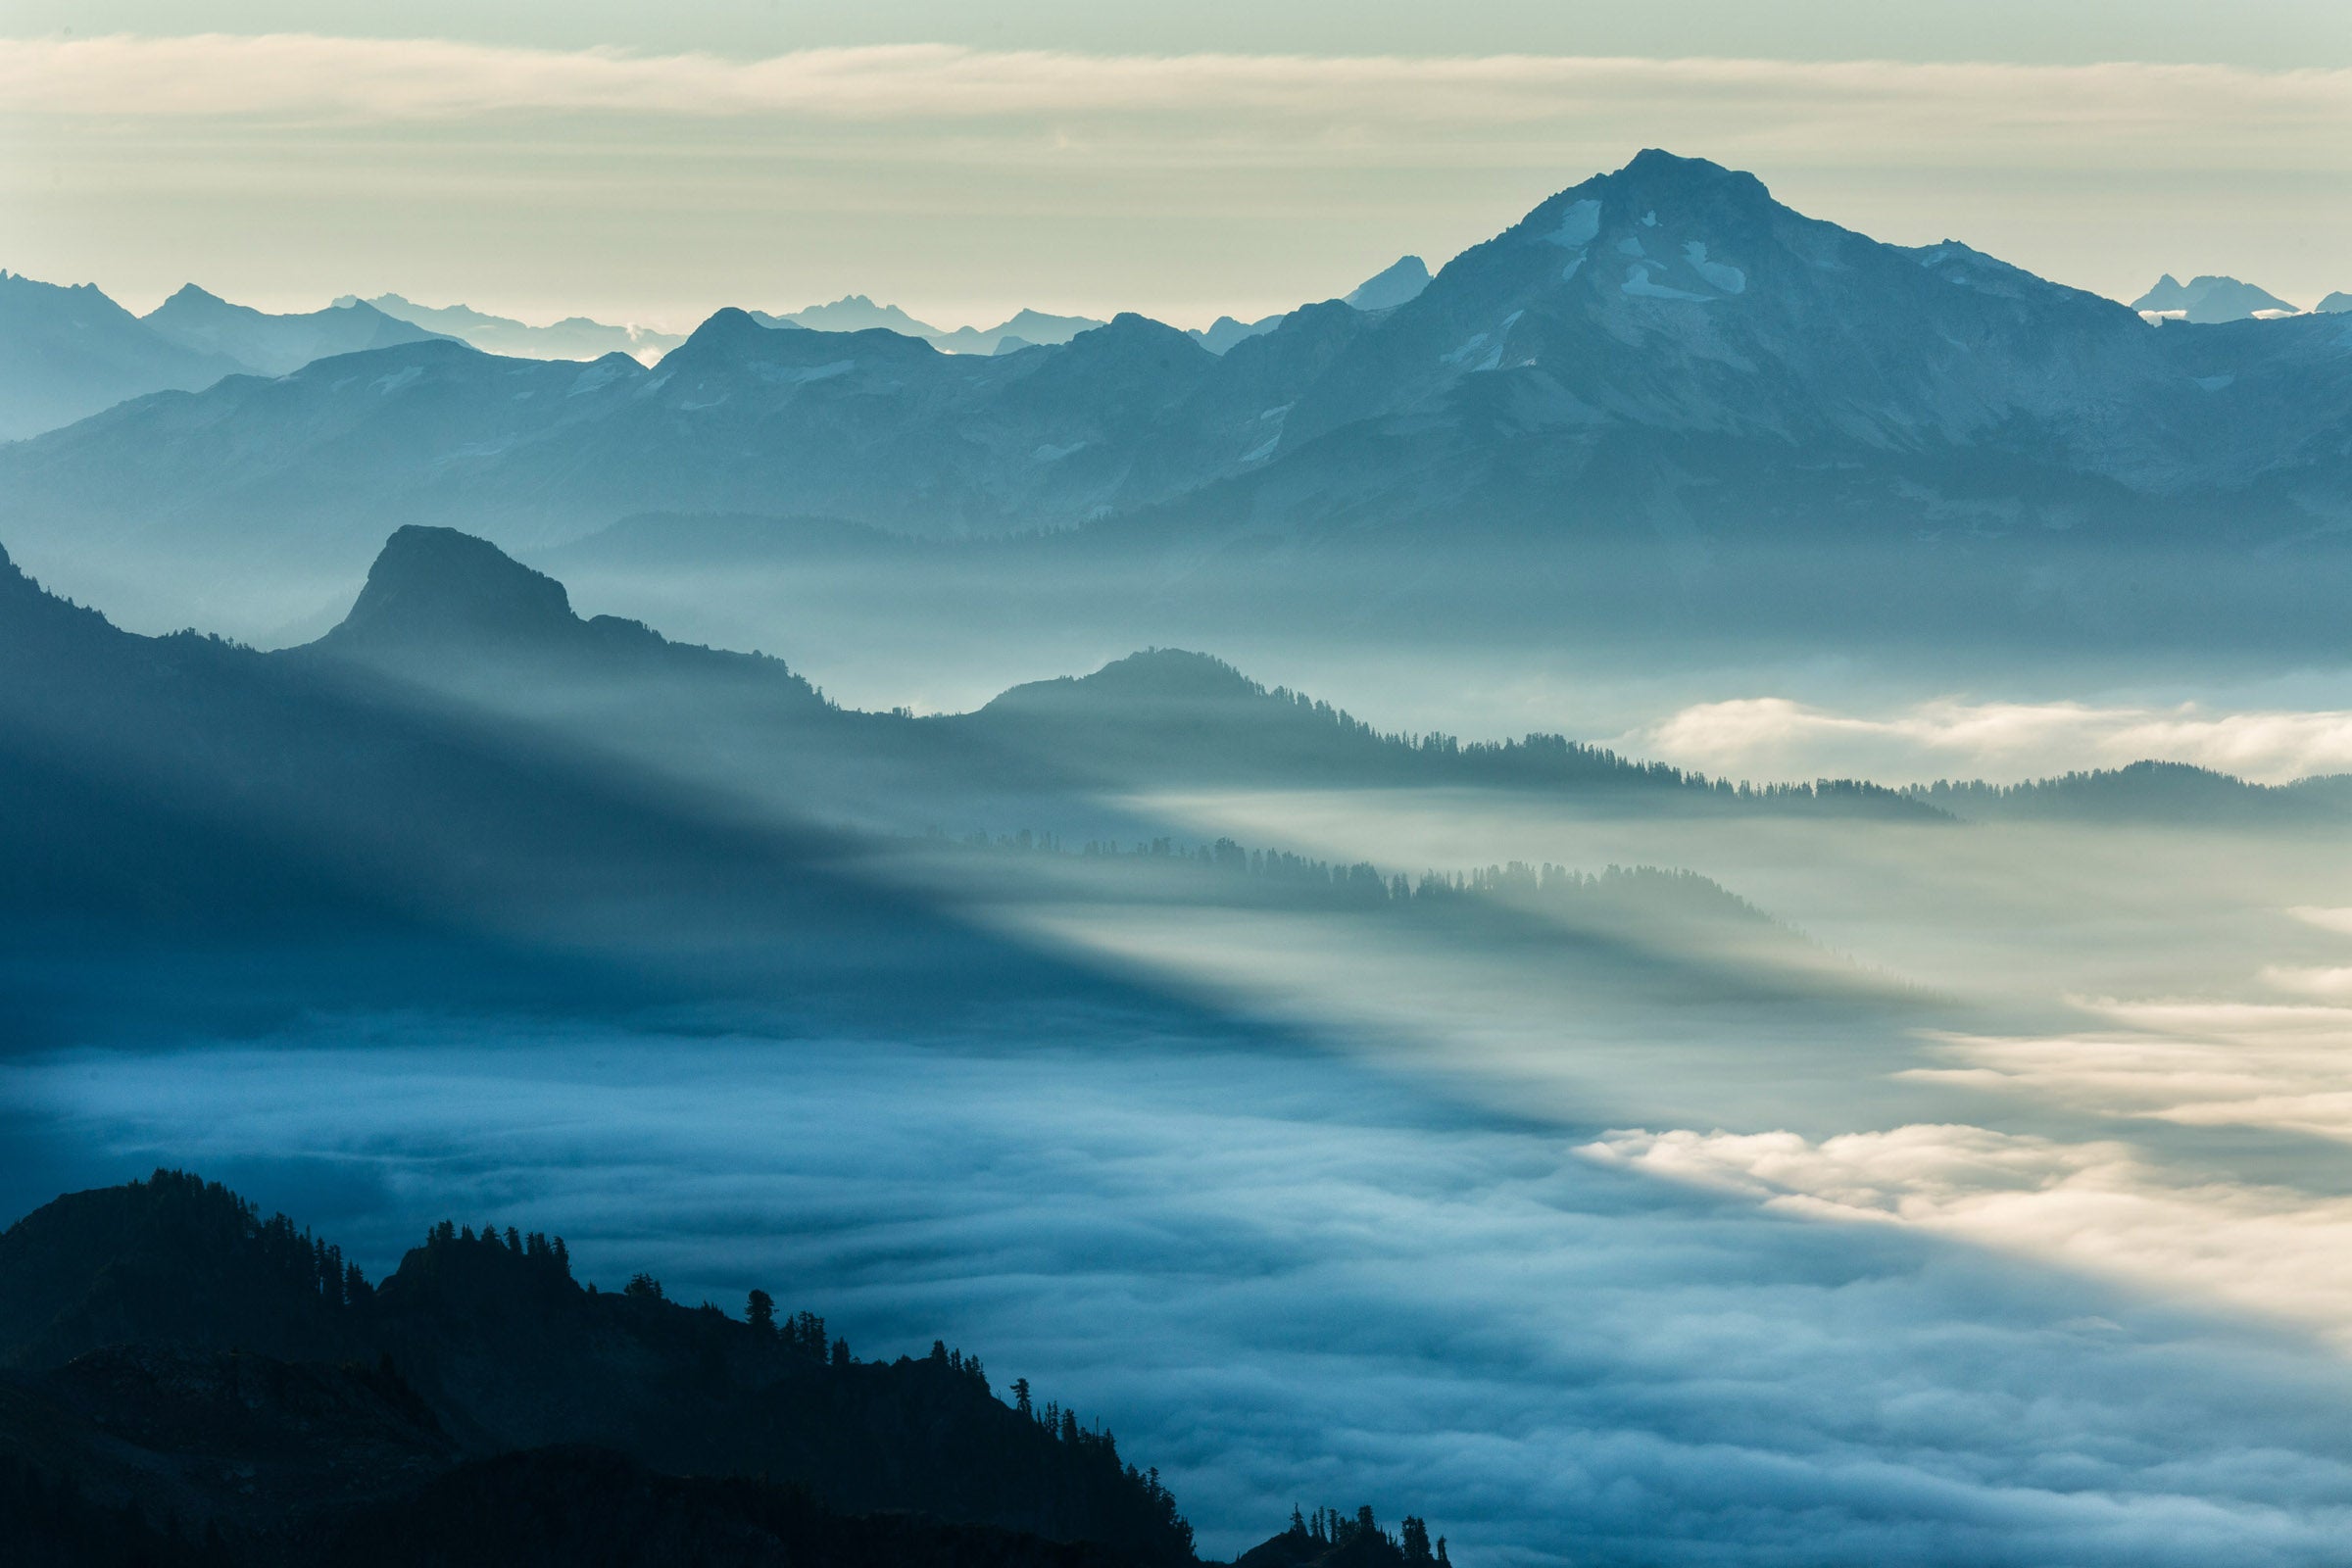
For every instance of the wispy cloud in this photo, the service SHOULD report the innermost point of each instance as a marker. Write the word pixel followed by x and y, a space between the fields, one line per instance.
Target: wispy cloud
pixel 2302 114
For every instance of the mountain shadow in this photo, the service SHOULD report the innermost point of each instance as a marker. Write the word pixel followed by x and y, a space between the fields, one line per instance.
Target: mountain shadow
pixel 193 830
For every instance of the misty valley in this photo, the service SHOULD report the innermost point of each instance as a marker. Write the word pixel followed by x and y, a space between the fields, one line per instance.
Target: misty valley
pixel 1679 894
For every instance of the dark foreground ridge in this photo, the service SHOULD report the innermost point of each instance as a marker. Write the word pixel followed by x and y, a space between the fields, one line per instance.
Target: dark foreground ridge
pixel 183 1381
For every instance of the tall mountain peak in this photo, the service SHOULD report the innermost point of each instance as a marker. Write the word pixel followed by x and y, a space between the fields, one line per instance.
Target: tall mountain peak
pixel 191 294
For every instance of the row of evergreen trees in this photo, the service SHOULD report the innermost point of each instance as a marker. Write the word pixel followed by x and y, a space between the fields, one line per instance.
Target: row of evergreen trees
pixel 308 1262
pixel 1363 884
pixel 1329 1527
pixel 535 1247
pixel 1097 1443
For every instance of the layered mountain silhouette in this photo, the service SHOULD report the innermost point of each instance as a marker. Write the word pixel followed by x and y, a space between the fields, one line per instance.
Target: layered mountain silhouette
pixel 67 353
pixel 175 1366
pixel 454 612
pixel 1657 379
pixel 272 345
pixel 71 352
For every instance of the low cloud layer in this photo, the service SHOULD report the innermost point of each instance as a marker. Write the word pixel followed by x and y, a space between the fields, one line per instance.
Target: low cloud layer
pixel 1285 1279
pixel 1775 737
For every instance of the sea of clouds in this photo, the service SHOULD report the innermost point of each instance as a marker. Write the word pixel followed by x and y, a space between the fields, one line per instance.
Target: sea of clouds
pixel 1286 1276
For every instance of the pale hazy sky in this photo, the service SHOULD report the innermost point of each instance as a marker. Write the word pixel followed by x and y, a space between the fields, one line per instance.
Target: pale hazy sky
pixel 652 164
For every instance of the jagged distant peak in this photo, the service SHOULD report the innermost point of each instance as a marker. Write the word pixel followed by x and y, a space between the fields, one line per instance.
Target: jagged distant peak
pixel 1392 286
pixel 192 294
pixel 1655 187
pixel 855 312
pixel 2210 298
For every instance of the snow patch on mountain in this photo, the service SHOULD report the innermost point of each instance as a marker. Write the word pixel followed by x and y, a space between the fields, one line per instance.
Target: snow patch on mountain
pixel 803 375
pixel 1472 346
pixel 593 378
pixel 1578 226
pixel 1722 274
pixel 1638 283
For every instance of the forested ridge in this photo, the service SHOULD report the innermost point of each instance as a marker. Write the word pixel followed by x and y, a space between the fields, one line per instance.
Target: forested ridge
pixel 188 1381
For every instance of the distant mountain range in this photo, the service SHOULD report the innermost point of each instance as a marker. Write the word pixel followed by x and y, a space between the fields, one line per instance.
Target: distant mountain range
pixel 272 345
pixel 576 337
pixel 67 353
pixel 855 312
pixel 1661 399
pixel 72 351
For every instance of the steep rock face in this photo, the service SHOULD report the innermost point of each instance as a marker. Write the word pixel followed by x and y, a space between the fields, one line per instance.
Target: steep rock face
pixel 448 609
pixel 439 588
